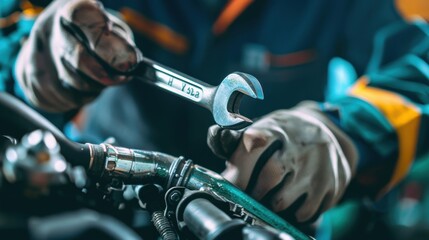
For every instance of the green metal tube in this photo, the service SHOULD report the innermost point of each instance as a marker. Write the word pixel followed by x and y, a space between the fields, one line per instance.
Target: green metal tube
pixel 141 167
pixel 202 178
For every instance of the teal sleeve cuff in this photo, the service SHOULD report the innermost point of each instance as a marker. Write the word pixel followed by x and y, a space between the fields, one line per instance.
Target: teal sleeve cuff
pixel 367 155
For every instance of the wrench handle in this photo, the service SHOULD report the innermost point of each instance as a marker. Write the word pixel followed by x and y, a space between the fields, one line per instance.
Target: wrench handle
pixel 177 83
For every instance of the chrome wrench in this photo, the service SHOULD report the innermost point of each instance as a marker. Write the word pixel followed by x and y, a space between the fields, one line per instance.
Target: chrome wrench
pixel 223 100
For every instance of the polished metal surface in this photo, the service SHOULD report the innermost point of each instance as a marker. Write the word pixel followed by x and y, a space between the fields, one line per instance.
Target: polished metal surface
pixel 135 166
pixel 223 100
pixel 140 167
pixel 204 219
pixel 36 160
pixel 204 179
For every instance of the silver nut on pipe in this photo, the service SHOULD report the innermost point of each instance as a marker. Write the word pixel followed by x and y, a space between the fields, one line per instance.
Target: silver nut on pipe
pixel 35 161
pixel 119 160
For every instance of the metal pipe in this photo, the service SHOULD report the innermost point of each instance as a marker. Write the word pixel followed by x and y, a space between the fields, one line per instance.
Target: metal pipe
pixel 202 178
pixel 18 119
pixel 207 221
pixel 135 166
pixel 140 167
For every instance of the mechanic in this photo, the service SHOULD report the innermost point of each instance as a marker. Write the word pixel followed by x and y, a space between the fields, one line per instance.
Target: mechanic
pixel 301 157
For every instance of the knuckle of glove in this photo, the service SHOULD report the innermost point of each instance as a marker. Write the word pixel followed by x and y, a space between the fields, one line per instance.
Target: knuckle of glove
pixel 223 142
pixel 253 159
pixel 107 36
pixel 52 56
pixel 311 152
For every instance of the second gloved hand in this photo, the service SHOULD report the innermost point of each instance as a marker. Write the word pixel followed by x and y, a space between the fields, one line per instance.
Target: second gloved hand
pixel 56 71
pixel 289 157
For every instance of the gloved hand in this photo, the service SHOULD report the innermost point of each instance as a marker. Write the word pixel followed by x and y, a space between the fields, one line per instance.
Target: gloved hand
pixel 294 157
pixel 55 70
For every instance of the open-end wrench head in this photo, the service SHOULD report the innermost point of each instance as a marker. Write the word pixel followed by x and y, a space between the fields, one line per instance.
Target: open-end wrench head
pixel 227 98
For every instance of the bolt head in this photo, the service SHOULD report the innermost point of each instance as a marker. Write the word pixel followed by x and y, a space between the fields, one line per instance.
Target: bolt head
pixel 175 196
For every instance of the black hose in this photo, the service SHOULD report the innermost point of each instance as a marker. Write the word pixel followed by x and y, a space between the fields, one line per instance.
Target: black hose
pixel 17 119
pixel 207 221
pixel 75 224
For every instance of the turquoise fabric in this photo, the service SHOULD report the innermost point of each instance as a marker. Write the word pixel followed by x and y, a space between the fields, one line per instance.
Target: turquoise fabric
pixel 341 76
pixel 7 7
pixel 408 76
pixel 10 45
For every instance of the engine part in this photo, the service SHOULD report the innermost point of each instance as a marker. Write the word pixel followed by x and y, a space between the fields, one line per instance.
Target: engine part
pixel 137 166
pixel 140 167
pixel 36 160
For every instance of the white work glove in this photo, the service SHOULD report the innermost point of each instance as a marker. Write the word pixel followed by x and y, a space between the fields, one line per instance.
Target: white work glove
pixel 294 157
pixel 56 72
